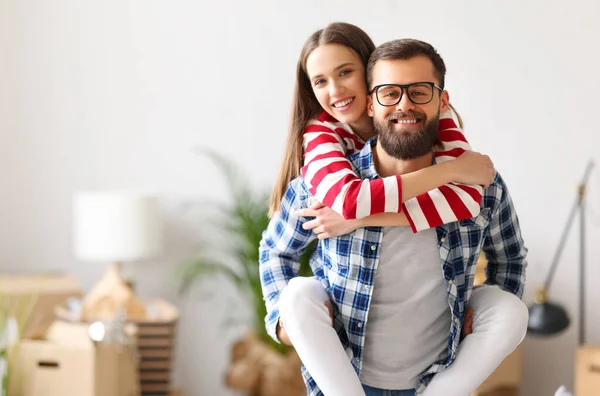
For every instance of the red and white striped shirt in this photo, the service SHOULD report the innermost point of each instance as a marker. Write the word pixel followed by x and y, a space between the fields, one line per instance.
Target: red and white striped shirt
pixel 331 180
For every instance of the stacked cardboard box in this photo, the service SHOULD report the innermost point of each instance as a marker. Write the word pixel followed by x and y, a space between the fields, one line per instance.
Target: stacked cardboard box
pixel 587 371
pixel 155 342
pixel 36 295
pixel 67 362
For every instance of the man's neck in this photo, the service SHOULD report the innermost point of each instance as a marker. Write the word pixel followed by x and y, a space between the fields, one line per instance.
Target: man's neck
pixel 387 165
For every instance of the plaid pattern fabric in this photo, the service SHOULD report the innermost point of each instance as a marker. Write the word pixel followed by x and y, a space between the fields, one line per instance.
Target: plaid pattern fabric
pixel 346 265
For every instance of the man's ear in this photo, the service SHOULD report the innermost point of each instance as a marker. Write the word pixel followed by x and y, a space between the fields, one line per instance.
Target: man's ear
pixel 444 101
pixel 370 105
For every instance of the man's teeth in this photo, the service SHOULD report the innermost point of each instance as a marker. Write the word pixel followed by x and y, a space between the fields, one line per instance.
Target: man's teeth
pixel 406 121
pixel 344 103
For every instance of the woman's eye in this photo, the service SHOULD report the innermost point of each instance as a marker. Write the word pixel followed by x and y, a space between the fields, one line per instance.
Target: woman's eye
pixel 345 72
pixel 318 82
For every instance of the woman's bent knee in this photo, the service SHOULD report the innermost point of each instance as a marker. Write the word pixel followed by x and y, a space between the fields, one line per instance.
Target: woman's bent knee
pixel 301 295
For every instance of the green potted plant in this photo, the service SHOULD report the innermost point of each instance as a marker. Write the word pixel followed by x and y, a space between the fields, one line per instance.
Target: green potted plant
pixel 242 222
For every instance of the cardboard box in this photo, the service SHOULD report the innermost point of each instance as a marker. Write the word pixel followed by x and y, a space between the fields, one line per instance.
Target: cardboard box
pixel 587 371
pixel 69 363
pixel 36 295
pixel 155 340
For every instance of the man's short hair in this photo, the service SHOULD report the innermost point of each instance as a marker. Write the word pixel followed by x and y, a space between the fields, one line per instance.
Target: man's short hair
pixel 406 49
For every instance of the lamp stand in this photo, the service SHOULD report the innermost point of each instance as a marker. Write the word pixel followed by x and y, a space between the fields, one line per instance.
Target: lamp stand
pixel 547 318
pixel 582 282
pixel 110 296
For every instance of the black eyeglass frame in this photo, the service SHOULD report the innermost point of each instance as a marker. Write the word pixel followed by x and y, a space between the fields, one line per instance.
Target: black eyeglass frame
pixel 403 87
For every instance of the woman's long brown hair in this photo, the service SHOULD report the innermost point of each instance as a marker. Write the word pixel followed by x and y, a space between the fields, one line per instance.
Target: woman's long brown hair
pixel 305 105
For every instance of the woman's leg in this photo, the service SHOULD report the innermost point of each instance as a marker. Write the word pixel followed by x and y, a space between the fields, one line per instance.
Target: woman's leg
pixel 499 326
pixel 308 324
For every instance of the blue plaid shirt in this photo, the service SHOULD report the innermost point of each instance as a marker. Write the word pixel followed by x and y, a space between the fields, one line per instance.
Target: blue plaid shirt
pixel 346 265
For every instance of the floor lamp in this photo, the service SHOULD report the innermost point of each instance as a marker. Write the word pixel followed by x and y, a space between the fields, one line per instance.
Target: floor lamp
pixel 546 318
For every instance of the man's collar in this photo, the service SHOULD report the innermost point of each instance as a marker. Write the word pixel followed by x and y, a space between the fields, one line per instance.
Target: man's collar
pixel 365 163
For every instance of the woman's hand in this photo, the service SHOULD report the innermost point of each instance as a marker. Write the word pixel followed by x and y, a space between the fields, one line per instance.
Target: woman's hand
pixel 327 223
pixel 473 168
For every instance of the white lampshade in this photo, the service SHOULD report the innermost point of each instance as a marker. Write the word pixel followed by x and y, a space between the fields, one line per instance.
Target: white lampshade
pixel 116 226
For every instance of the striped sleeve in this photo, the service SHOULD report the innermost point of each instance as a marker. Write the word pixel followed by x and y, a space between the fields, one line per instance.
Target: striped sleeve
pixel 331 180
pixel 450 202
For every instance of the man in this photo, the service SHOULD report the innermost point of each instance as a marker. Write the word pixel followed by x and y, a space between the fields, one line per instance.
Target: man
pixel 398 320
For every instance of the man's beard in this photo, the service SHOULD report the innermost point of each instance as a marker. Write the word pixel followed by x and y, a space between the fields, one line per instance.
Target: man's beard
pixel 407 145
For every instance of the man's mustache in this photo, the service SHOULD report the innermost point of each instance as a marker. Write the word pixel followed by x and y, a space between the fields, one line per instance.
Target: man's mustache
pixel 409 114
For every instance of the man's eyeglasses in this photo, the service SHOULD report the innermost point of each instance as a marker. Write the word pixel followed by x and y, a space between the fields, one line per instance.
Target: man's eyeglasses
pixel 391 94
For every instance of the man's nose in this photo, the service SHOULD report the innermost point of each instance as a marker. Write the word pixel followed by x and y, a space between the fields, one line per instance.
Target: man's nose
pixel 405 104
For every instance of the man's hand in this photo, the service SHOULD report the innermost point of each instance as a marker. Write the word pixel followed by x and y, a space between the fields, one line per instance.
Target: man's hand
pixel 468 323
pixel 283 335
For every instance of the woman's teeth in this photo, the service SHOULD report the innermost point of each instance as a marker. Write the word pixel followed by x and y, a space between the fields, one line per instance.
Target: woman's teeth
pixel 344 103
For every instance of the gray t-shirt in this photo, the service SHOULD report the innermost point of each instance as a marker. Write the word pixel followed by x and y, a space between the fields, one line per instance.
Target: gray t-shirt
pixel 409 318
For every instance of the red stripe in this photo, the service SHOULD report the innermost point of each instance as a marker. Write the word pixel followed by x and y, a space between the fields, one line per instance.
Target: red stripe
pixel 410 220
pixel 457 205
pixel 344 134
pixel 326 117
pixel 332 193
pixel 329 154
pixel 350 136
pixel 400 204
pixel 350 200
pixel 341 132
pixel 326 170
pixel 348 206
pixel 321 139
pixel 377 196
pixel 451 135
pixel 447 123
pixel 472 192
pixel 429 210
pixel 455 152
pixel 317 128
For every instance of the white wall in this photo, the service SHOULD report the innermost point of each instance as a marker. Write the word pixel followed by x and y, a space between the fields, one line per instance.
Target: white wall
pixel 120 93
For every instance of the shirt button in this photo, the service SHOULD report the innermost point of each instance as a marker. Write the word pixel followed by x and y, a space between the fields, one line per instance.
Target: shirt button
pixel 443 240
pixel 456 320
pixel 359 325
pixel 373 247
pixel 450 282
pixel 367 287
